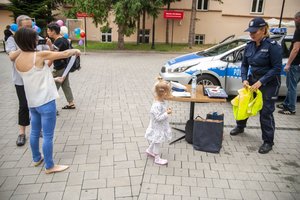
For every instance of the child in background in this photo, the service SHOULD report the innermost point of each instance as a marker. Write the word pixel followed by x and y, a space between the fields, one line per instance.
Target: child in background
pixel 159 129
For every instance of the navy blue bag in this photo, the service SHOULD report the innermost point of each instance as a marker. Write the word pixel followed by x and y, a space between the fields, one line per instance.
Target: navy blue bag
pixel 208 133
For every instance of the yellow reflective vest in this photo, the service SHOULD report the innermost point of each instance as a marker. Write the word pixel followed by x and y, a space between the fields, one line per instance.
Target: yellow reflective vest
pixel 245 104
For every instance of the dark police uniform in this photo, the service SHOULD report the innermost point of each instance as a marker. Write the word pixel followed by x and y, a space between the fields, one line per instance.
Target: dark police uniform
pixel 263 63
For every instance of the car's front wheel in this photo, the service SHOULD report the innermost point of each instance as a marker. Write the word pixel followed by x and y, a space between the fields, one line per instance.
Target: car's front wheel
pixel 206 79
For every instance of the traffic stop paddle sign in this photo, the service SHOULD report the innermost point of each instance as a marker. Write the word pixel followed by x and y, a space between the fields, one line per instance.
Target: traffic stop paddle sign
pixel 174 15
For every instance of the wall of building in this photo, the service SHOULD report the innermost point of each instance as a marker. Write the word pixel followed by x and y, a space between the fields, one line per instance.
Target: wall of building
pixel 5 20
pixel 220 21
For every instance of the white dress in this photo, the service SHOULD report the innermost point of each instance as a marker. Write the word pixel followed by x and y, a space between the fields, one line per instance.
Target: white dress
pixel 159 129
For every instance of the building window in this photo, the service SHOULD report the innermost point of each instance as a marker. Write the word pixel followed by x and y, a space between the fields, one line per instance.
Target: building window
pixel 199 39
pixel 257 6
pixel 202 5
pixel 106 36
pixel 147 35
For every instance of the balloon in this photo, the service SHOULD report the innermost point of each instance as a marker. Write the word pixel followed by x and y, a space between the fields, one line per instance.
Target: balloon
pixel 78 36
pixel 14 27
pixel 66 35
pixel 33 24
pixel 82 34
pixel 60 22
pixel 63 30
pixel 80 42
pixel 37 29
pixel 77 31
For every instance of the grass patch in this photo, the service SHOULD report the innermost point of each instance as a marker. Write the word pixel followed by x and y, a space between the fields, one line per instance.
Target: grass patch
pixel 160 47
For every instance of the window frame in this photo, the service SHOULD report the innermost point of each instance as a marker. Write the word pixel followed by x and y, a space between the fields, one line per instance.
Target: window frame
pixel 106 34
pixel 198 42
pixel 202 6
pixel 257 6
pixel 147 36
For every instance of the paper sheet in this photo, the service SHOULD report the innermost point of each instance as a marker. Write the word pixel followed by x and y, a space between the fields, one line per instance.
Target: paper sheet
pixel 69 66
pixel 181 94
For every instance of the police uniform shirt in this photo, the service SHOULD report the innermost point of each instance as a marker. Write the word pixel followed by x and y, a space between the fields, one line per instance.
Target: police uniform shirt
pixel 264 61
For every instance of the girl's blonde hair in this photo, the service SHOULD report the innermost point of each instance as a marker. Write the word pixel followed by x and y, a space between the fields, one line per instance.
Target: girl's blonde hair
pixel 162 88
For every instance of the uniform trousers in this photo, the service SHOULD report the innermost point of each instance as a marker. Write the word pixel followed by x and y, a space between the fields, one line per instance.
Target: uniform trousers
pixel 267 122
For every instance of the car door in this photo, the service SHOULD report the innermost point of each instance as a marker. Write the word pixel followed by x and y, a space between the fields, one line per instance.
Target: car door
pixel 285 45
pixel 233 81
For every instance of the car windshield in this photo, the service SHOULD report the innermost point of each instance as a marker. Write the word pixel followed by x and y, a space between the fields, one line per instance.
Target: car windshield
pixel 222 48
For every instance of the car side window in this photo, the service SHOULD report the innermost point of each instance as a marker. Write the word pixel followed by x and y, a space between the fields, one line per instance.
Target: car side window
pixel 236 56
pixel 285 45
pixel 239 56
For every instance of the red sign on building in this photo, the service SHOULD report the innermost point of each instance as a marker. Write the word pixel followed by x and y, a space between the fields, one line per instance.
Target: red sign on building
pixel 83 14
pixel 172 14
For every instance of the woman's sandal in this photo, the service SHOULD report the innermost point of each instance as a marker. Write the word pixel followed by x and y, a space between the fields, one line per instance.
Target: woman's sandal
pixel 36 164
pixel 69 107
pixel 56 168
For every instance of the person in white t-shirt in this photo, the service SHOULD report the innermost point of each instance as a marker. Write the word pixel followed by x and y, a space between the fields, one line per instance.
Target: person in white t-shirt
pixel 40 92
pixel 23 113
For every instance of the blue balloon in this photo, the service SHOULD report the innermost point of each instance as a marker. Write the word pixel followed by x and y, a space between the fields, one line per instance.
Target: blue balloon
pixel 77 31
pixel 14 27
pixel 38 29
pixel 66 35
pixel 33 23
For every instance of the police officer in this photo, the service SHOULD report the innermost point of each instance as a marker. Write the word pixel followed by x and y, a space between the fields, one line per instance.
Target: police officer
pixel 261 69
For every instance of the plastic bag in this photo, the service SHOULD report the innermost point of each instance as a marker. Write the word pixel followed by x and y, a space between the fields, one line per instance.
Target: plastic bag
pixel 245 104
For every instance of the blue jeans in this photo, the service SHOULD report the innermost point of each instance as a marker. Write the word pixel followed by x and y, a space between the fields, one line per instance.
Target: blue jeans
pixel 43 117
pixel 292 80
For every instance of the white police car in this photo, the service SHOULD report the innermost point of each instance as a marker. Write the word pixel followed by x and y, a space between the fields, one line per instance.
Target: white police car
pixel 219 65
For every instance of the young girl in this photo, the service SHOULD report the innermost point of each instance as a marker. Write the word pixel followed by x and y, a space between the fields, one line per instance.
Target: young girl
pixel 159 130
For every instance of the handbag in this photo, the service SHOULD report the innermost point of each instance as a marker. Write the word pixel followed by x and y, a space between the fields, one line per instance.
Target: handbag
pixel 190 125
pixel 189 131
pixel 208 134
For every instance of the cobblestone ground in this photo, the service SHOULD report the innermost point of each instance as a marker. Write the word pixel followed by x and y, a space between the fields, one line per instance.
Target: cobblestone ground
pixel 103 142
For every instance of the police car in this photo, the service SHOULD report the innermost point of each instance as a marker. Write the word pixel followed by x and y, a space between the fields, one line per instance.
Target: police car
pixel 220 65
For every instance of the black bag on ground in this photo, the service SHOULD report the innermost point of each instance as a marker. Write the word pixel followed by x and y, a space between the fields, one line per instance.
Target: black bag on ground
pixel 189 131
pixel 208 134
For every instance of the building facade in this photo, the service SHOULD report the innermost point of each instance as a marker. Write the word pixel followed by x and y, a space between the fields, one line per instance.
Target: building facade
pixel 214 21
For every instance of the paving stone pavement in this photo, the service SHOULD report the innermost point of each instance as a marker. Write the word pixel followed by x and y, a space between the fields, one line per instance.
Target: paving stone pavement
pixel 103 142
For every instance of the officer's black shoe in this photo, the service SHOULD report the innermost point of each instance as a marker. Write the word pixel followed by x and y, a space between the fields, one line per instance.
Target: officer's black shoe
pixel 265 148
pixel 21 140
pixel 237 130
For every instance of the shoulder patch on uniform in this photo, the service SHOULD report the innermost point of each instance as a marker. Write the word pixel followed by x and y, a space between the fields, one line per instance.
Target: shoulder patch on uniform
pixel 271 41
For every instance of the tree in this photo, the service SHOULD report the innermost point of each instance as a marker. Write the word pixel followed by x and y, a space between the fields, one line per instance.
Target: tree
pixel 153 10
pixel 41 10
pixel 168 3
pixel 125 11
pixel 99 8
pixel 193 22
pixel 152 7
